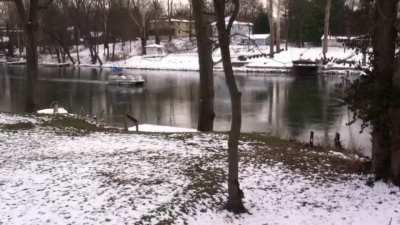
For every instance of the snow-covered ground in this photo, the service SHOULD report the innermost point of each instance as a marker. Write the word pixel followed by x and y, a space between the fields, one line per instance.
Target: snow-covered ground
pixel 182 56
pixel 285 58
pixel 161 129
pixel 14 119
pixel 51 177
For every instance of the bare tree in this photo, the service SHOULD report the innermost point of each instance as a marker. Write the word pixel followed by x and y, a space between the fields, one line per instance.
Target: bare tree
pixel 157 8
pixel 56 29
pixel 204 49
pixel 140 12
pixel 9 13
pixel 104 7
pixel 326 28
pixel 235 194
pixel 87 25
pixel 249 9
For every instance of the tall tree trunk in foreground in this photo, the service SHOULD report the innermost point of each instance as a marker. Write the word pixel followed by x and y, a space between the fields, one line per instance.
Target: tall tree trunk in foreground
pixel 235 194
pixel 395 112
pixel 326 28
pixel 204 49
pixel 395 151
pixel 30 19
pixel 384 38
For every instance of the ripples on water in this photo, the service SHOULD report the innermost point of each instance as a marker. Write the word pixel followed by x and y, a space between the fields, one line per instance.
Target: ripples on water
pixel 281 105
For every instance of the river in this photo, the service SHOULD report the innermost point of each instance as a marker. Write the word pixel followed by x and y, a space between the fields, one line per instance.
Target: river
pixel 280 105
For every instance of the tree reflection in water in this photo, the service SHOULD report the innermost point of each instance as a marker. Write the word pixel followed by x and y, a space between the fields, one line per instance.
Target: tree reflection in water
pixel 281 105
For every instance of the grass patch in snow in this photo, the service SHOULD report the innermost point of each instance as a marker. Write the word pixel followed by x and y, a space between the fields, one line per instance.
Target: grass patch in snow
pixel 204 191
pixel 17 126
pixel 70 122
pixel 301 157
pixel 75 126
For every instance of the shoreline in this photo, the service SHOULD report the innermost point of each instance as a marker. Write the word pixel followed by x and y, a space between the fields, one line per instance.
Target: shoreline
pixel 245 70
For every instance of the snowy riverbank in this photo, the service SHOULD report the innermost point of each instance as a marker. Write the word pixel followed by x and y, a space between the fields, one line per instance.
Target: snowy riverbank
pixel 281 63
pixel 50 174
pixel 182 56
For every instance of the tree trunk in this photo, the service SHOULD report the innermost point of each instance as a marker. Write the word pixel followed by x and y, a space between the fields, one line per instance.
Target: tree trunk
pixel 97 56
pixel 57 50
pixel 113 50
pixel 106 49
pixel 143 41
pixel 77 42
pixel 169 19
pixel 395 151
pixel 31 27
pixel 384 39
pixel 157 33
pixel 390 8
pixel 326 28
pixel 204 49
pixel 63 55
pixel 271 28
pixel 190 20
pixel 66 50
pixel 10 44
pixel 106 39
pixel 92 52
pixel 287 23
pixel 64 47
pixel 381 151
pixel 235 194
pixel 278 28
pixel 32 64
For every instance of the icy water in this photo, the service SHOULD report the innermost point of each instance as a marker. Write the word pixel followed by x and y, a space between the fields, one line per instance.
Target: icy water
pixel 280 105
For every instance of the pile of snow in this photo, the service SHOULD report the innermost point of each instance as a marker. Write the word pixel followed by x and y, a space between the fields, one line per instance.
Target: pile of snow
pixel 162 129
pixel 52 111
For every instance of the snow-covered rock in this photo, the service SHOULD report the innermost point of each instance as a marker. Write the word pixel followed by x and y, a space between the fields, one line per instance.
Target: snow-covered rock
pixel 52 111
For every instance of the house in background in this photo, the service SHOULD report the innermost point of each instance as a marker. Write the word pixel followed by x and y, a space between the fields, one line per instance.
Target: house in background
pixel 173 27
pixel 155 50
pixel 256 39
pixel 335 41
pixel 238 28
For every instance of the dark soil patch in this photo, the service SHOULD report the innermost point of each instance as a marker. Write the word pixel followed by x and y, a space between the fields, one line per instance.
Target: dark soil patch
pixel 17 126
